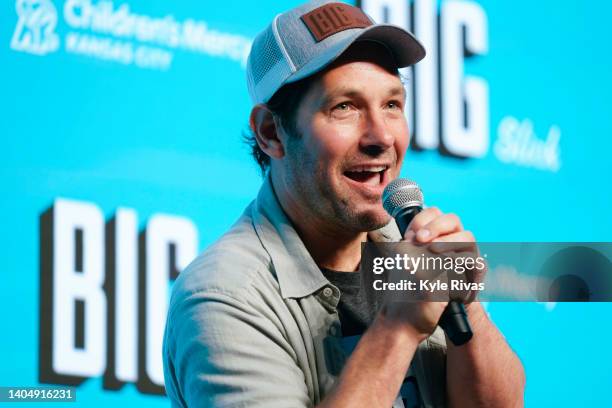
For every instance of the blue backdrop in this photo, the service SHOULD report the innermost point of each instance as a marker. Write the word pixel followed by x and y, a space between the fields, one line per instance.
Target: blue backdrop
pixel 142 104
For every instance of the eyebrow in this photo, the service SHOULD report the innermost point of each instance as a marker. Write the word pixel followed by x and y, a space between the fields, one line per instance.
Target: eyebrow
pixel 354 93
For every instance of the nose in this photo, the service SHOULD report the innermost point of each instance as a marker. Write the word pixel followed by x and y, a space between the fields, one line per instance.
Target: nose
pixel 377 136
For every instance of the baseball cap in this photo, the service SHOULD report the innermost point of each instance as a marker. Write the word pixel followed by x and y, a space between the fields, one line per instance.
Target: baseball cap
pixel 304 40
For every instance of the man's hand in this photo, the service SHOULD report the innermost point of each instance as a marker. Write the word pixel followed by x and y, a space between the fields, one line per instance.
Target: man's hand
pixel 432 225
pixel 444 233
pixel 439 233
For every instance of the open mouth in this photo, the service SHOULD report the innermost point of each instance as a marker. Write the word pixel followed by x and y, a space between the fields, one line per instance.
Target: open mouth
pixel 367 175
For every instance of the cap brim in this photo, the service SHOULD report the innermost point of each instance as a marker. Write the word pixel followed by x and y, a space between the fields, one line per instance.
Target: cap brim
pixel 406 49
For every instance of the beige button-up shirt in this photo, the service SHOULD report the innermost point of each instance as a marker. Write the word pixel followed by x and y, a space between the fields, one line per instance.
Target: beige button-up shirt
pixel 253 322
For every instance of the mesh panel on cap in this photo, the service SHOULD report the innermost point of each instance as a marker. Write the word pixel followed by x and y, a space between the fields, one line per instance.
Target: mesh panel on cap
pixel 268 55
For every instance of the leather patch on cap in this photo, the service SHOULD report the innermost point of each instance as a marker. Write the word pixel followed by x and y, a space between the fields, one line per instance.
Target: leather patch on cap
pixel 332 18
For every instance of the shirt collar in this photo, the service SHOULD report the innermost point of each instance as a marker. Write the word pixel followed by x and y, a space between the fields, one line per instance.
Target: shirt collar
pixel 297 273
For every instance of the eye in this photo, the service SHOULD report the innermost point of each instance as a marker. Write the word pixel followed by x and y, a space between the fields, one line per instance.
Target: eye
pixel 394 105
pixel 344 110
pixel 343 106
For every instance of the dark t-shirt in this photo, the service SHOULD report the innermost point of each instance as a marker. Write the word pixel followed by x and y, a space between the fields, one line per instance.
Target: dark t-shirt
pixel 356 311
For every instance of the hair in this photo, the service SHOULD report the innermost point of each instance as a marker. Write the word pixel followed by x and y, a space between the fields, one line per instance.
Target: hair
pixel 284 105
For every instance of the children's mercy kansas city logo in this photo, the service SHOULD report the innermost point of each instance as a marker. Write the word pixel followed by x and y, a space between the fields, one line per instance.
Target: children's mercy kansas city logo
pixel 36 23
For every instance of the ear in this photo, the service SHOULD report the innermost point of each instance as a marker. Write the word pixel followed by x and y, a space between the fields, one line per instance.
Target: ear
pixel 267 131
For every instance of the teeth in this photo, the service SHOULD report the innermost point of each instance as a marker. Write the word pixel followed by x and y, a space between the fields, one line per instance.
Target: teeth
pixel 371 169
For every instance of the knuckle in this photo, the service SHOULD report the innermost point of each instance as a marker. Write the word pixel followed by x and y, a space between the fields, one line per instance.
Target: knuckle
pixel 453 217
pixel 419 221
pixel 454 220
pixel 434 211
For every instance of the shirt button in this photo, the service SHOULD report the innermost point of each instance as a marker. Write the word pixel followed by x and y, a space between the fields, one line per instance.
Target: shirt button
pixel 327 292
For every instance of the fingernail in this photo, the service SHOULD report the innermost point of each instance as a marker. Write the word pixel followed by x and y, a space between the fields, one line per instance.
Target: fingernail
pixel 409 236
pixel 423 234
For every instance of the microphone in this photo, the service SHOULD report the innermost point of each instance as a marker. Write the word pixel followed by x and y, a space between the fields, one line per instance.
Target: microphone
pixel 403 199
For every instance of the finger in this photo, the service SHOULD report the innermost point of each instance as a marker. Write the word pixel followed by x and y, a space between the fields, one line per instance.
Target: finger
pixel 472 270
pixel 478 273
pixel 468 264
pixel 443 225
pixel 460 289
pixel 461 295
pixel 420 220
pixel 456 241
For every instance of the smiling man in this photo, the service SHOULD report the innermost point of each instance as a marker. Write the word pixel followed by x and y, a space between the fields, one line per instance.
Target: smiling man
pixel 273 314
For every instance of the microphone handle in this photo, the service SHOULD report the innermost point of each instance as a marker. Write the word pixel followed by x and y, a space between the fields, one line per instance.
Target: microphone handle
pixel 454 319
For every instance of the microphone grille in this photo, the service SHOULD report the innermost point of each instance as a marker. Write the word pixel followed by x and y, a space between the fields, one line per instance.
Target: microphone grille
pixel 401 193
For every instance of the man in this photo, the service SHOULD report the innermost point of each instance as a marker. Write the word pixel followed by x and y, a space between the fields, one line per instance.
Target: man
pixel 262 318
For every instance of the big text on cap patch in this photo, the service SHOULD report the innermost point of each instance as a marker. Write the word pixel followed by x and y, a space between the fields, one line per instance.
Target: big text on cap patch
pixel 332 18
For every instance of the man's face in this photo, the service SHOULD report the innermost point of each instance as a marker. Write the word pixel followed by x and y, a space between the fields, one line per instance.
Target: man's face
pixel 352 137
